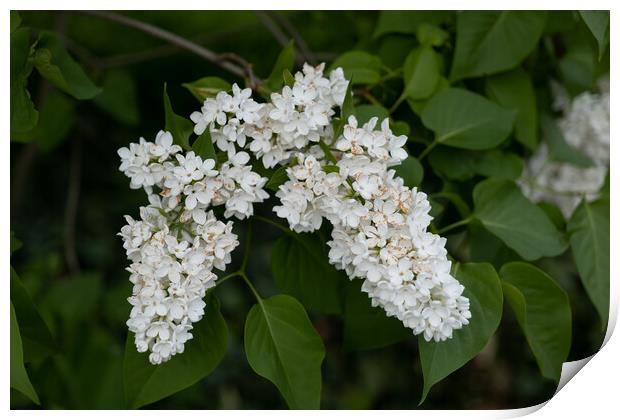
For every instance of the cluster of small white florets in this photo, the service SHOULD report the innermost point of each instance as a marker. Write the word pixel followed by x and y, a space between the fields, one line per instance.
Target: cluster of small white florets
pixel 585 126
pixel 379 227
pixel 178 241
pixel 295 117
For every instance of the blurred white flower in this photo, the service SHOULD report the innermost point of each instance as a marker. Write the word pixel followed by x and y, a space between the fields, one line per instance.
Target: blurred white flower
pixel 585 127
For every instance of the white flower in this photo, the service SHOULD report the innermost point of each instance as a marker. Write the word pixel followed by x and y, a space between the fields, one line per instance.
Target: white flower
pixel 177 242
pixel 380 229
pixel 585 127
pixel 379 225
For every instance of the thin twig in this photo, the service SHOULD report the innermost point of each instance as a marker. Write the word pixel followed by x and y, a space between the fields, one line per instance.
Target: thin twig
pixel 325 56
pixel 73 197
pixel 455 225
pixel 275 30
pixel 246 252
pixel 252 288
pixel 301 43
pixel 428 149
pixel 134 57
pixel 170 37
pixel 247 67
pixel 274 224
pixel 364 93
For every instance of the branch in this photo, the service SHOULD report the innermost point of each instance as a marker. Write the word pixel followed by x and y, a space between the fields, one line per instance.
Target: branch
pixel 266 20
pixel 301 43
pixel 218 59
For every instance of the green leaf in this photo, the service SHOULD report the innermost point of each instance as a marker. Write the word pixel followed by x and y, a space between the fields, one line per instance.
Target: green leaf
pixel 366 326
pixel 359 65
pixel 589 239
pixel 289 79
pixel 514 90
pixel 279 177
pixel 411 171
pixel 400 128
pixel 520 224
pixel 437 208
pixel 543 313
pixel 363 113
pixel 490 42
pixel 181 128
pixel 301 268
pixel 24 116
pixel 15 243
pixel 203 146
pixel 464 119
pixel 486 247
pixel 37 340
pixel 56 65
pixel 417 105
pixel 56 119
pixel 331 169
pixel 459 204
pixel 146 383
pixel 119 97
pixel 431 35
pixel 598 23
pixel 76 298
pixel 461 165
pixel 421 73
pixel 16 20
pixel 484 290
pixel 577 66
pixel 393 49
pixel 282 346
pixel 208 87
pixel 346 110
pixel 554 214
pixel 559 149
pixel 19 376
pixel 560 21
pixel 285 61
pixel 408 21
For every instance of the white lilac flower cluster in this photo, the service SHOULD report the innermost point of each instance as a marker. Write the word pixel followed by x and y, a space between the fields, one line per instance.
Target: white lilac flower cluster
pixel 585 126
pixel 379 228
pixel 178 241
pixel 296 117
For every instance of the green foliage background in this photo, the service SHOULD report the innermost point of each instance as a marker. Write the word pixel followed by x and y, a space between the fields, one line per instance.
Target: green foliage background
pixel 471 89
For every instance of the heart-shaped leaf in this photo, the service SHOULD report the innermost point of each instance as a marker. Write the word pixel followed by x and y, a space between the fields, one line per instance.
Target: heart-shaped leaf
pixel 180 128
pixel 543 312
pixel 301 268
pixel 589 241
pixel 467 120
pixel 208 87
pixel 519 223
pixel 489 42
pixel 146 383
pixel 282 346
pixel 484 290
pixel 56 65
pixel 514 90
pixel 366 326
pixel 19 377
